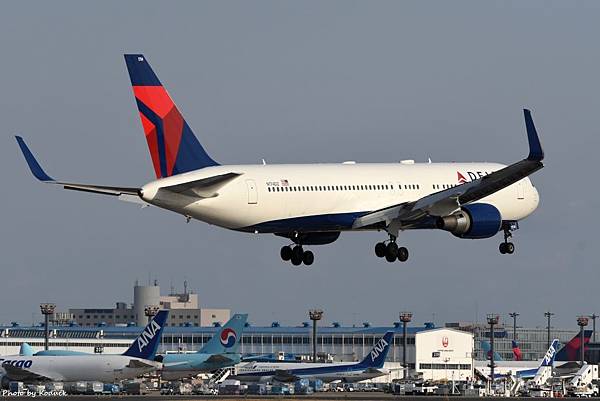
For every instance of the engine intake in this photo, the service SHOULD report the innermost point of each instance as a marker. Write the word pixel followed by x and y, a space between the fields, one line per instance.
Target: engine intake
pixel 477 220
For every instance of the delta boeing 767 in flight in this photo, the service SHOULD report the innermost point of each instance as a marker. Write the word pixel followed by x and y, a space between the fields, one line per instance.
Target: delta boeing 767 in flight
pixel 311 204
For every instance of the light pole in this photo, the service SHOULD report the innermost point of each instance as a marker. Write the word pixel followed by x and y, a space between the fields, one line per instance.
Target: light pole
pixel 492 320
pixel 47 310
pixel 315 315
pixel 150 311
pixel 548 316
pixel 405 317
pixel 582 321
pixel 593 316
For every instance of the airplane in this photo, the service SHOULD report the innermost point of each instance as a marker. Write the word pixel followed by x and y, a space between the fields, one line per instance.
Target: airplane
pixel 370 367
pixel 219 352
pixel 311 204
pixel 136 361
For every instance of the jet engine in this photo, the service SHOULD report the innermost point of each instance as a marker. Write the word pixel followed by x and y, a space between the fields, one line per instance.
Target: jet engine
pixel 477 220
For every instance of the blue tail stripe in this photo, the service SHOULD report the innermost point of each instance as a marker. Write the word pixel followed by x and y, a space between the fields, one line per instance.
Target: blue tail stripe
pixel 140 72
pixel 34 166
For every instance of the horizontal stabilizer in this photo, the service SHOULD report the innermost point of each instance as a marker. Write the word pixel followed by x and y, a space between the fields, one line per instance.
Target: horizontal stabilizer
pixel 203 188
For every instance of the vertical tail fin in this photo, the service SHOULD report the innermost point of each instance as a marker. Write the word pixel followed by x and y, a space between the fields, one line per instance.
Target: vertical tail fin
pixel 227 340
pixel 550 354
pixel 378 354
pixel 173 146
pixel 518 355
pixel 486 348
pixel 570 351
pixel 146 344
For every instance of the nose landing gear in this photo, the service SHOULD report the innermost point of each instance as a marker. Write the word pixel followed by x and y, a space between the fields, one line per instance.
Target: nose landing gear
pixel 507 247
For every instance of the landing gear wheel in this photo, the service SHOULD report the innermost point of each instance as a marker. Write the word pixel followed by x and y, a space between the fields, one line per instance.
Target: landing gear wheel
pixel 510 248
pixel 308 258
pixel 402 254
pixel 296 261
pixel 391 252
pixel 297 251
pixel 380 249
pixel 502 248
pixel 286 253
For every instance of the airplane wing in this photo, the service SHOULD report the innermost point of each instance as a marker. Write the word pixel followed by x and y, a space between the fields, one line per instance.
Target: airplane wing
pixel 218 358
pixel 445 202
pixel 39 173
pixel 284 376
pixel 139 364
pixel 21 374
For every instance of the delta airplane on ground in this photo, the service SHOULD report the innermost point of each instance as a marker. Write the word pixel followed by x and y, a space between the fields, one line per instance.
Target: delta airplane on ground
pixel 221 351
pixel 136 361
pixel 312 204
pixel 370 367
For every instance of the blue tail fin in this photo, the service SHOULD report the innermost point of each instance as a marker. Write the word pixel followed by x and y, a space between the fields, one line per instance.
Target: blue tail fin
pixel 486 348
pixel 146 344
pixel 173 146
pixel 227 340
pixel 550 354
pixel 25 350
pixel 376 357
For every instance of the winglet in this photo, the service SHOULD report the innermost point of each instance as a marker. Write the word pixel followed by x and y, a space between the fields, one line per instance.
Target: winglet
pixel 535 147
pixel 33 164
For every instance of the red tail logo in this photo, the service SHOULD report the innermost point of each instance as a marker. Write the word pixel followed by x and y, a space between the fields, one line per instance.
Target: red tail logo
pixel 461 178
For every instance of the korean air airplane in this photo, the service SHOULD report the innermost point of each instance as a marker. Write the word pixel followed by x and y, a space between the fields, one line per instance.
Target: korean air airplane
pixel 221 351
pixel 369 368
pixel 311 204
pixel 136 361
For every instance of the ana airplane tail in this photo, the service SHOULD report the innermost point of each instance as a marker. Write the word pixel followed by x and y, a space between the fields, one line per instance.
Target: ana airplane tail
pixel 173 146
pixel 550 354
pixel 378 354
pixel 146 344
pixel 570 352
pixel 227 340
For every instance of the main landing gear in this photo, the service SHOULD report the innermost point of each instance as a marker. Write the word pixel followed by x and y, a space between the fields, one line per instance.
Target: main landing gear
pixel 297 255
pixel 507 247
pixel 391 251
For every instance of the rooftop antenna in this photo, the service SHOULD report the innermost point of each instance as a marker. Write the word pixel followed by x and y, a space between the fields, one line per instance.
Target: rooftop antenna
pixel 264 162
pixel 185 286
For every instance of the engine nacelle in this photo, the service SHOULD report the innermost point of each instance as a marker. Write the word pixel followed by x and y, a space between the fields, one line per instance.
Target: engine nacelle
pixel 477 220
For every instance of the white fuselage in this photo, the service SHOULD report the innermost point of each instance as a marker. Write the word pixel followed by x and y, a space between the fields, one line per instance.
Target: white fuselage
pixel 327 197
pixel 328 372
pixel 105 368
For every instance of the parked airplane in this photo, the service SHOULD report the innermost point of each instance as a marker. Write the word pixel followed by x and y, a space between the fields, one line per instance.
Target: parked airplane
pixel 370 367
pixel 137 360
pixel 219 352
pixel 312 204
pixel 486 348
pixel 522 369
